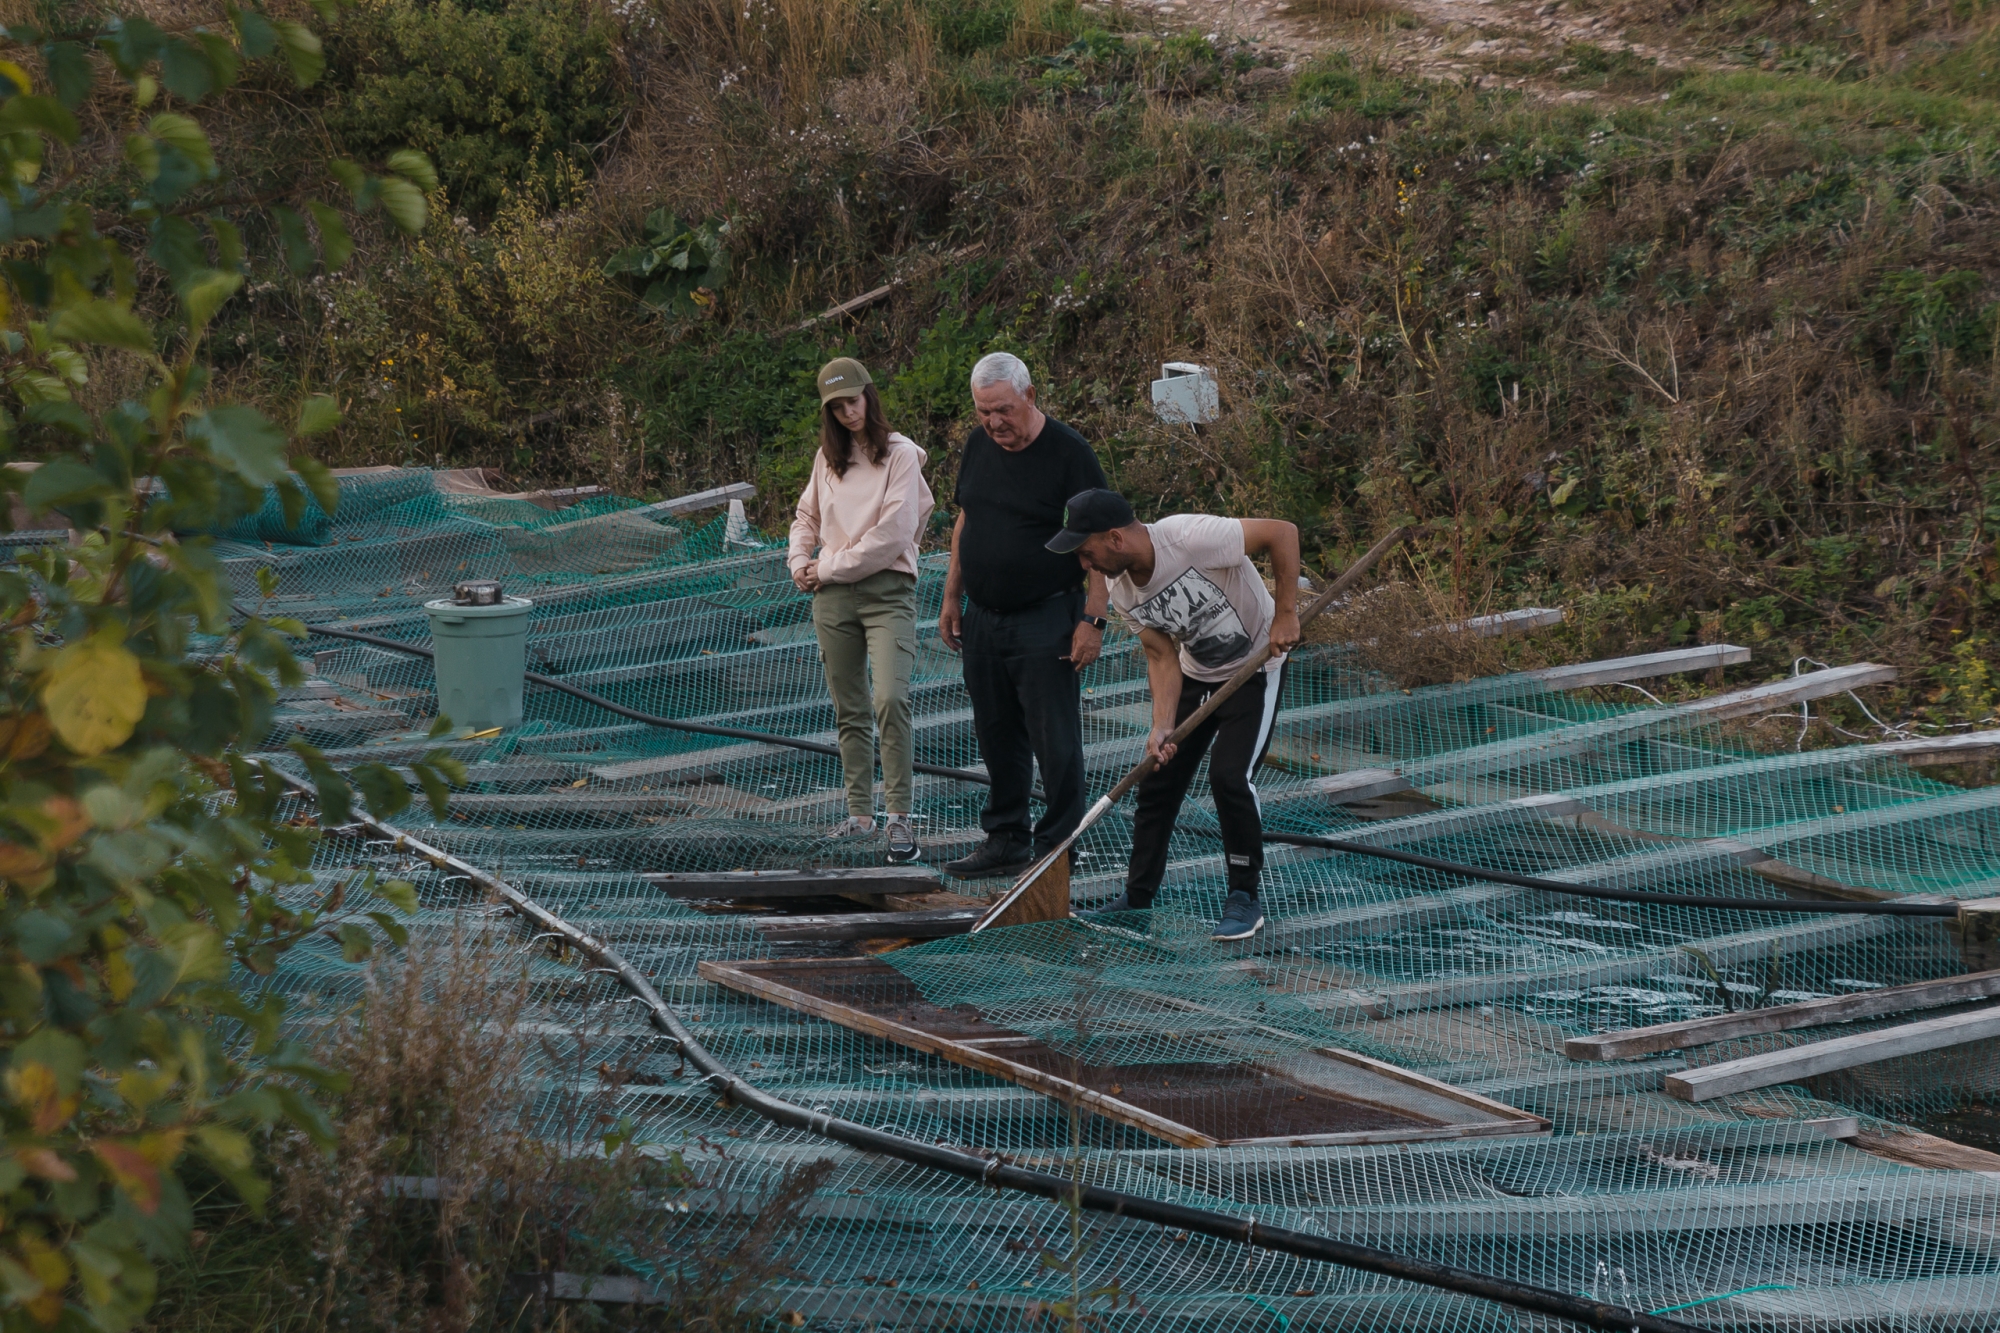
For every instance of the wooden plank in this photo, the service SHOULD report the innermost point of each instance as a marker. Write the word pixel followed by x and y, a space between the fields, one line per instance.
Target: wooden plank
pixel 745 977
pixel 709 499
pixel 867 925
pixel 1884 1199
pixel 1823 1057
pixel 1645 666
pixel 1524 621
pixel 1723 950
pixel 1046 899
pixel 570 802
pixel 1538 747
pixel 1632 1042
pixel 793 883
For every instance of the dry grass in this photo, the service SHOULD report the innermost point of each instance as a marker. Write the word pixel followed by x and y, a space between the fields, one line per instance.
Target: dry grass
pixel 444 1196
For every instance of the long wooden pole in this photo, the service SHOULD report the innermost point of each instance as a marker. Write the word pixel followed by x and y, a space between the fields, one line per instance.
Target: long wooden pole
pixel 1142 769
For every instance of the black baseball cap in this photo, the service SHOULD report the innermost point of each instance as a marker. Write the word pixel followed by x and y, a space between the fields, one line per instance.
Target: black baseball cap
pixel 1088 512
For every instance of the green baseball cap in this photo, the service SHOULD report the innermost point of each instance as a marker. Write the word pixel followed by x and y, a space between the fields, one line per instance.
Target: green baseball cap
pixel 842 377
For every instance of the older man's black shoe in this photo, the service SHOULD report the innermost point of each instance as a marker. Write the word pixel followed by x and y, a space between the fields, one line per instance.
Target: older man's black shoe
pixel 992 858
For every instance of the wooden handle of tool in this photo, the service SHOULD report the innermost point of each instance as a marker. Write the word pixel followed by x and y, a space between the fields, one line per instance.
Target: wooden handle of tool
pixel 1350 577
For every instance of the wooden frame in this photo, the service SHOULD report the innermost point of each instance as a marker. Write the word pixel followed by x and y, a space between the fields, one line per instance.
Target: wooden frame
pixel 1632 1043
pixel 773 980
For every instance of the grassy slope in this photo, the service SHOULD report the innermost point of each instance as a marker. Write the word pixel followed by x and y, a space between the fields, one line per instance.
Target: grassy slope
pixel 1713 362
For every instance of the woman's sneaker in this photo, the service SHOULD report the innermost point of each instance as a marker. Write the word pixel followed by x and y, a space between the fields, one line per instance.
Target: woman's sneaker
pixel 852 827
pixel 1241 917
pixel 902 840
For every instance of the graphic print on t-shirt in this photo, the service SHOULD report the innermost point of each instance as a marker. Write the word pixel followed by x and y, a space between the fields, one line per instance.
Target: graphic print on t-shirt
pixel 1195 613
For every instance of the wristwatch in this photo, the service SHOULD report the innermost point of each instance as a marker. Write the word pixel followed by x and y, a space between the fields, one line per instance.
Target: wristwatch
pixel 1097 621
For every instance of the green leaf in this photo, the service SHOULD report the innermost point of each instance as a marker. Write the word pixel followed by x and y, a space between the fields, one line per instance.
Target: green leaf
pixel 336 798
pixel 382 788
pixel 398 934
pixel 415 168
pixel 259 38
pixel 70 72
pixel 436 790
pixel 399 893
pixel 243 439
pixel 318 415
pixel 302 50
pixel 349 175
pixel 335 245
pixel 178 131
pixel 299 253
pixel 204 294
pixel 404 203
pixel 291 501
pixel 355 941
pixel 143 152
pixel 186 71
pixel 46 114
pixel 64 479
pixel 105 323
pixel 319 481
pixel 221 57
pixel 228 242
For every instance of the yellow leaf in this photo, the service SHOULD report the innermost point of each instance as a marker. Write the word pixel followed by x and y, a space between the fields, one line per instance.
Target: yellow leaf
pixel 94 694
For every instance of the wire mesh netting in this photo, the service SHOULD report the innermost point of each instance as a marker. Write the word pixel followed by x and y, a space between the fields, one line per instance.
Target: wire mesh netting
pixel 1751 1210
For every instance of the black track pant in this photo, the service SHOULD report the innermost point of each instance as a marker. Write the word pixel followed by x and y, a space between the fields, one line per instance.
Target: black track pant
pixel 1234 738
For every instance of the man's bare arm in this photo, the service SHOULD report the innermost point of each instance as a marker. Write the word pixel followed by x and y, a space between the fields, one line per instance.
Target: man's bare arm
pixel 951 619
pixel 1163 676
pixel 1280 541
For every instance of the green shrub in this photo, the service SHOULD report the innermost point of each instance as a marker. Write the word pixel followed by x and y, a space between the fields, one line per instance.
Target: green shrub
pixel 495 91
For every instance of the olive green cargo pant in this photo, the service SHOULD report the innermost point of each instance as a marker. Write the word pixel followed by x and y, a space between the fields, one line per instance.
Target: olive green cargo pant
pixel 859 624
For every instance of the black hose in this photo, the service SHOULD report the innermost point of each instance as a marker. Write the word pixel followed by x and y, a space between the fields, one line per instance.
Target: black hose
pixel 994 1171
pixel 1293 839
pixel 1619 895
pixel 651 719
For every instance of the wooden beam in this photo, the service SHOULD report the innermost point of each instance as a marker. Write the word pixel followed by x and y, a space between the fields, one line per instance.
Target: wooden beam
pixel 1501 756
pixel 1723 951
pixel 867 925
pixel 857 303
pixel 1634 1042
pixel 1880 1198
pixel 1822 1057
pixel 794 883
pixel 1523 621
pixel 709 499
pixel 1644 666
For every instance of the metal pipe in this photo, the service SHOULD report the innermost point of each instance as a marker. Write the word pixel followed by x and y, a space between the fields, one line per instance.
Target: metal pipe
pixel 995 1171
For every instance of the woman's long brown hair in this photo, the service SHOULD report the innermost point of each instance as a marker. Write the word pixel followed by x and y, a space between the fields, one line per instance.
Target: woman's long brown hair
pixel 837 442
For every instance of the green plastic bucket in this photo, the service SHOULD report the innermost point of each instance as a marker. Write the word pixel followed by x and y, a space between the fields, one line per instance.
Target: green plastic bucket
pixel 480 637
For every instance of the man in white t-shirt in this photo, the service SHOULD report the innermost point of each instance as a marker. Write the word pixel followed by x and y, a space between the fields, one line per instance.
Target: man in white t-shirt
pixel 1202 610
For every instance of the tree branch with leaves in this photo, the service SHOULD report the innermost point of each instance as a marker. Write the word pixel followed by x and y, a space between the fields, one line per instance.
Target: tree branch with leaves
pixel 149 862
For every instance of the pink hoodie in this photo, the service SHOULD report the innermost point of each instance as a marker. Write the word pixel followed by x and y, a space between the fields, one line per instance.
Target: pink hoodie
pixel 867 521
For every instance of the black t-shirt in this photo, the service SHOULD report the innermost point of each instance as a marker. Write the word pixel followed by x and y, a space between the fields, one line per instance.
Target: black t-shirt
pixel 1013 503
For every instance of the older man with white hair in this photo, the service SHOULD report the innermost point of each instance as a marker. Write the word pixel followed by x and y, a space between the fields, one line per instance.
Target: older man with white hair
pixel 1025 617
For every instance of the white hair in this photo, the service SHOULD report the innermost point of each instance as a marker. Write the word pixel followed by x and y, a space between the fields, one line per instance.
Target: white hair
pixel 1002 368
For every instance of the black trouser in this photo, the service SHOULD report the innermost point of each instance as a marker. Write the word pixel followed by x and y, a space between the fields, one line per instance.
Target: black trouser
pixel 1234 737
pixel 1026 709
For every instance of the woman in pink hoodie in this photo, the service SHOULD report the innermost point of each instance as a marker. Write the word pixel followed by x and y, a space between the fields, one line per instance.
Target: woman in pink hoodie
pixel 854 548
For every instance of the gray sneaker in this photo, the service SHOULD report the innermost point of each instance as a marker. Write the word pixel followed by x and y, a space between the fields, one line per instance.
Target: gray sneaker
pixel 1241 918
pixel 852 827
pixel 902 840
